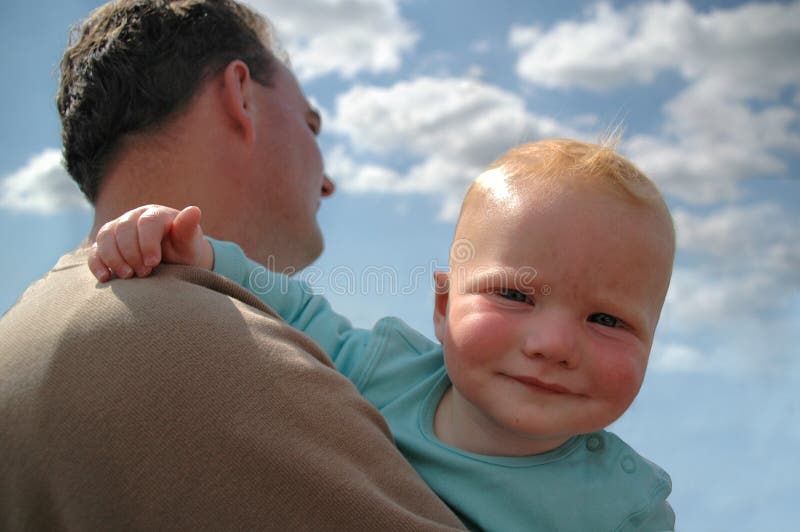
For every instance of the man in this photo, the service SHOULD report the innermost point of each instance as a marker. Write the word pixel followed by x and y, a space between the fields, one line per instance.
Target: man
pixel 181 402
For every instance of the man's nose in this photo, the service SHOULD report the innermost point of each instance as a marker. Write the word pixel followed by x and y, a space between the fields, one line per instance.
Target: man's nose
pixel 554 338
pixel 327 186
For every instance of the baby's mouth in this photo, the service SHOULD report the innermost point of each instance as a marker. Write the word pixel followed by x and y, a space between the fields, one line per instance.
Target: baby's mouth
pixel 545 386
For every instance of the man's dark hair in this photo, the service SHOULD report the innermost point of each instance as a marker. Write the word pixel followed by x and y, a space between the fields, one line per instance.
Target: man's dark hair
pixel 134 64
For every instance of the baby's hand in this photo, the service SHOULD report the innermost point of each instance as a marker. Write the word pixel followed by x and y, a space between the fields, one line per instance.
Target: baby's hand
pixel 140 239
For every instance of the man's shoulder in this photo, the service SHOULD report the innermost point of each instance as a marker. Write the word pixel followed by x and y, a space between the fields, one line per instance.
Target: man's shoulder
pixel 69 293
pixel 177 309
pixel 75 349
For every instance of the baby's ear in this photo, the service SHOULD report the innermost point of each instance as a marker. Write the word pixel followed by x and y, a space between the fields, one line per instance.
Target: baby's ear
pixel 441 281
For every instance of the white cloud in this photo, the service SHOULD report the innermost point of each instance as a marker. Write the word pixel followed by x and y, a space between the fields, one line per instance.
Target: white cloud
pixel 736 291
pixel 341 36
pixel 709 143
pixel 747 263
pixel 41 186
pixel 481 46
pixel 476 72
pixel 607 50
pixel 746 325
pixel 356 177
pixel 760 236
pixel 677 357
pixel 704 300
pixel 713 136
pixel 450 128
pixel 689 171
pixel 750 50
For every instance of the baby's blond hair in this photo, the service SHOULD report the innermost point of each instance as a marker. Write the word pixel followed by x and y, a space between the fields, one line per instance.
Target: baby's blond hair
pixel 595 165
pixel 555 164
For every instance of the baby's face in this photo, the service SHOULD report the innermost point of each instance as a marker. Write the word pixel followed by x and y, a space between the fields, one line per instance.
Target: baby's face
pixel 548 322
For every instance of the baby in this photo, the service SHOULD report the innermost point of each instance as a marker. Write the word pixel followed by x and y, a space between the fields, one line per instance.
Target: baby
pixel 561 260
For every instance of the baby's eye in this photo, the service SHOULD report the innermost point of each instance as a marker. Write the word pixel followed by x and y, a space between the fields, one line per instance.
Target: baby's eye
pixel 513 295
pixel 606 320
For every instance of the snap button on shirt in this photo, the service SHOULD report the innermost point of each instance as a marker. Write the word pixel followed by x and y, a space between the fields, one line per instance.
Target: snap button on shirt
pixel 628 464
pixel 594 443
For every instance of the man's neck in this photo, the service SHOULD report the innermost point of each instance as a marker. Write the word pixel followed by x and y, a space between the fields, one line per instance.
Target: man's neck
pixel 117 197
pixel 149 173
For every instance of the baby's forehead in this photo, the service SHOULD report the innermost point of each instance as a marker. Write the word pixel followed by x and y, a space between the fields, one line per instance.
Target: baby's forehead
pixel 504 191
pixel 499 203
pixel 495 184
pixel 496 191
pixel 512 199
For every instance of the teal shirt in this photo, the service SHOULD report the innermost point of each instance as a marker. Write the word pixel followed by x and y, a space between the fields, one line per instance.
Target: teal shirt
pixel 591 482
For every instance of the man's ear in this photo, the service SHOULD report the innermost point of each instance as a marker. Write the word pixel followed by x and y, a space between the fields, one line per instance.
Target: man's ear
pixel 238 98
pixel 442 286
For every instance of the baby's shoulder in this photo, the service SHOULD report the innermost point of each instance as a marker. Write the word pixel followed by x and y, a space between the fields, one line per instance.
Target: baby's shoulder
pixel 399 337
pixel 398 358
pixel 631 485
pixel 610 452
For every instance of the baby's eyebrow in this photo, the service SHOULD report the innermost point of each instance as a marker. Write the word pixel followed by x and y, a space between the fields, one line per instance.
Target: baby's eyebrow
pixel 522 279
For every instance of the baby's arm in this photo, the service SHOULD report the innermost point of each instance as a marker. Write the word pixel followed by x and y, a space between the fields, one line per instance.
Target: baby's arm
pixel 296 303
pixel 140 239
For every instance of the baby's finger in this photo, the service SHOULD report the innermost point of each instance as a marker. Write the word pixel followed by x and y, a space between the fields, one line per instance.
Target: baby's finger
pixel 128 242
pixel 154 223
pixel 98 269
pixel 185 228
pixel 108 254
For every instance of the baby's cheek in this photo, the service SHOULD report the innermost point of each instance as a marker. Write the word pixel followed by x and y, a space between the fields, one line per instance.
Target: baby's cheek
pixel 620 378
pixel 483 336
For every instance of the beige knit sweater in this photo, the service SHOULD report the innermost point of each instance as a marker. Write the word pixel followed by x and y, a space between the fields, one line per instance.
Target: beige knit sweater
pixel 181 402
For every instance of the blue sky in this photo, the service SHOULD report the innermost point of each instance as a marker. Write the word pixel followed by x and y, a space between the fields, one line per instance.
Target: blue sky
pixel 418 95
